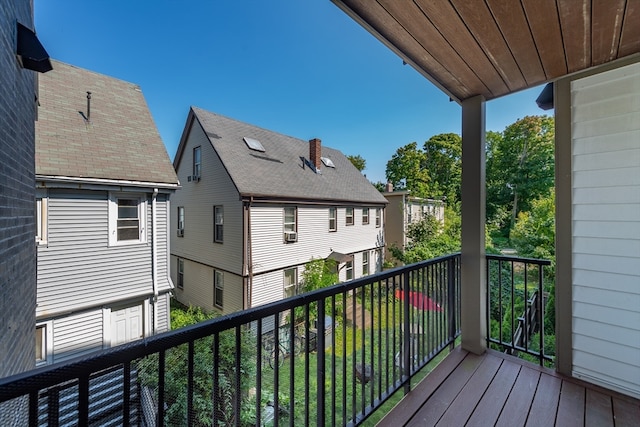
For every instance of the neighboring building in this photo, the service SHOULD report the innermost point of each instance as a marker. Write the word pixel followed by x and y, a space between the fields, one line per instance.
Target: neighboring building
pixel 256 206
pixel 103 181
pixel 20 55
pixel 402 210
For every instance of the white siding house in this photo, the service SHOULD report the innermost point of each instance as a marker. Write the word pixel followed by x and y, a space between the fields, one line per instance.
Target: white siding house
pixel 103 181
pixel 256 206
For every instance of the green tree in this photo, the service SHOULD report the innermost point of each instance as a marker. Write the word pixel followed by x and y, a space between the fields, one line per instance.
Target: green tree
pixel 358 161
pixel 443 163
pixel 520 168
pixel 406 170
pixel 176 367
pixel 534 232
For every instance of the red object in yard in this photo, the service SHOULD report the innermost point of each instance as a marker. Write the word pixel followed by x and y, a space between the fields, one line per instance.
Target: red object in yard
pixel 419 300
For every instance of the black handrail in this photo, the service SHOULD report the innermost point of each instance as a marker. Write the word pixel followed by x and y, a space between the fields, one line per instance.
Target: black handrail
pixel 402 338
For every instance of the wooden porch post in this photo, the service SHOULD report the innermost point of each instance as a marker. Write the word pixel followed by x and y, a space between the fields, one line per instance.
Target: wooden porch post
pixel 474 286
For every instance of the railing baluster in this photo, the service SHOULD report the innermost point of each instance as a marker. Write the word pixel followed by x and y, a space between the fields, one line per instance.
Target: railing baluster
pixel 259 359
pixel 190 414
pixel 33 409
pixel 541 307
pixel 405 336
pixel 320 412
pixel 217 404
pixel 237 404
pixel 126 407
pixel 333 360
pixel 83 400
pixel 161 371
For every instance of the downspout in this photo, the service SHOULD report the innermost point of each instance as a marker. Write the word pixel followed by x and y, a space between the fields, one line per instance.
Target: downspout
pixel 154 260
pixel 249 255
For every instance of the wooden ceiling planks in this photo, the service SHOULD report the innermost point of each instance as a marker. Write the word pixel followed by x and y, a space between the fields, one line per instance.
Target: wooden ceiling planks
pixel 423 30
pixel 630 38
pixel 449 23
pixel 513 24
pixel 495 47
pixel 607 20
pixel 395 34
pixel 545 27
pixel 575 21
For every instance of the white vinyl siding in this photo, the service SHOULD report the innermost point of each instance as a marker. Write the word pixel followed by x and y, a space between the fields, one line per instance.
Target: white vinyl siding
pixel 77 334
pixel 271 253
pixel 198 198
pixel 606 228
pixel 79 269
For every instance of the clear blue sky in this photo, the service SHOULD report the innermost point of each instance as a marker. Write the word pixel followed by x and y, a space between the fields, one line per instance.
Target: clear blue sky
pixel 301 68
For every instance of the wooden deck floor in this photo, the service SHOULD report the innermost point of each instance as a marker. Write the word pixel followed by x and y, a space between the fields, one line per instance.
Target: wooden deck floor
pixel 500 390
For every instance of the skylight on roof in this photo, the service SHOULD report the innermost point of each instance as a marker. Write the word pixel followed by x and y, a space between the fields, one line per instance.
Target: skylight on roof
pixel 254 144
pixel 327 162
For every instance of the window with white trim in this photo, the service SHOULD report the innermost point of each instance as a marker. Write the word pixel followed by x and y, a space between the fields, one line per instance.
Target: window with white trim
pixel 333 219
pixel 42 209
pixel 180 221
pixel 290 282
pixel 218 222
pixel 290 224
pixel 197 162
pixel 44 343
pixel 365 216
pixel 218 288
pixel 127 219
pixel 378 217
pixel 365 263
pixel 349 270
pixel 349 216
pixel 180 283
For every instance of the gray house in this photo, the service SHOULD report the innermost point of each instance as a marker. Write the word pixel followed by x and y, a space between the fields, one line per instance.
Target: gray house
pixel 256 206
pixel 103 181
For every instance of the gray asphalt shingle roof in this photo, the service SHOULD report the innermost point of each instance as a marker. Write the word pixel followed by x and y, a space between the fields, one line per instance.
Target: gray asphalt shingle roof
pixel 280 171
pixel 121 141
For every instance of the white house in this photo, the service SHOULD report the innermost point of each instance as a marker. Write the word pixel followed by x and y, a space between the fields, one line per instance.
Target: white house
pixel 256 206
pixel 404 209
pixel 103 181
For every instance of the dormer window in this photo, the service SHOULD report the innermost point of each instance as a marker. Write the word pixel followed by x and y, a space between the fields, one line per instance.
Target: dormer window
pixel 254 144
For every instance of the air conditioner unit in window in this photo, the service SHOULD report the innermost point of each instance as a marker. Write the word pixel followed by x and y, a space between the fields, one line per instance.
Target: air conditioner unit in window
pixel 290 236
pixel 181 232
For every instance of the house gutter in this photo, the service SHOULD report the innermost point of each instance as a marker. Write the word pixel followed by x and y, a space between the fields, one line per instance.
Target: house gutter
pixel 154 259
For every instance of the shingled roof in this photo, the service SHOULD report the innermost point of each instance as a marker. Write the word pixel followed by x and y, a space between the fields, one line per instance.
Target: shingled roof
pixel 119 141
pixel 280 172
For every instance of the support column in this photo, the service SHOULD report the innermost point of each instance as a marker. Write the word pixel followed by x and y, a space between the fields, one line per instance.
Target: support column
pixel 474 286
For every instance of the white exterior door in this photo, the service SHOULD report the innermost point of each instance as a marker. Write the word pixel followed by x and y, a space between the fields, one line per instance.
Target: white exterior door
pixel 127 324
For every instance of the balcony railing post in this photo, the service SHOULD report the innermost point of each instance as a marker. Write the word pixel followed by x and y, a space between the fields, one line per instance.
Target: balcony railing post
pixel 540 312
pixel 406 336
pixel 451 301
pixel 321 363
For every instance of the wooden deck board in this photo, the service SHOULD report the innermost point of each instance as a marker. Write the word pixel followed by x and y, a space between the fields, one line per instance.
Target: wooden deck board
pixel 500 390
pixel 495 398
pixel 598 410
pixel 463 405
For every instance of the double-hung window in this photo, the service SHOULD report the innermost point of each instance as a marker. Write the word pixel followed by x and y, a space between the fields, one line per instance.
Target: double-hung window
pixel 218 219
pixel 378 217
pixel 180 273
pixel 180 221
pixel 349 270
pixel 197 162
pixel 44 343
pixel 290 224
pixel 365 263
pixel 127 219
pixel 290 282
pixel 365 216
pixel 218 285
pixel 333 219
pixel 42 202
pixel 349 216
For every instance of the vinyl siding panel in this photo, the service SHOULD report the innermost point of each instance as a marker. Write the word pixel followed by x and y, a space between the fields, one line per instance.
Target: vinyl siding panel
pixel 162 218
pixel 606 228
pixel 270 252
pixel 198 199
pixel 77 334
pixel 163 313
pixel 269 287
pixel 198 287
pixel 78 269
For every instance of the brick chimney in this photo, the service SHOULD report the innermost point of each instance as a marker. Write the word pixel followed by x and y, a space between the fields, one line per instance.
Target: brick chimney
pixel 315 152
pixel 389 187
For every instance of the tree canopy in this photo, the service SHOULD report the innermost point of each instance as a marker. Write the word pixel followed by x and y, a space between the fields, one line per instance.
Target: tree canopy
pixel 358 161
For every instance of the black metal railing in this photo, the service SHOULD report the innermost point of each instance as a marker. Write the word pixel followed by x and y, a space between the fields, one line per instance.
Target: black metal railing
pixel 327 357
pixel 520 312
